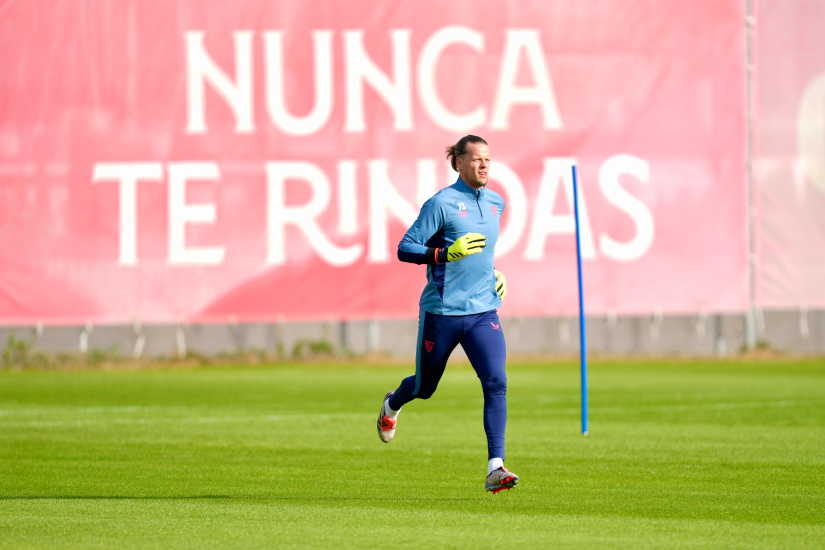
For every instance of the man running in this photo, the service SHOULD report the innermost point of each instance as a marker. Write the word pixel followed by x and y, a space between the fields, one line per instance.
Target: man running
pixel 458 305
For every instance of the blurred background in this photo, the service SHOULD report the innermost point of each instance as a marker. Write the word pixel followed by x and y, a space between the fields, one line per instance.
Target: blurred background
pixel 188 177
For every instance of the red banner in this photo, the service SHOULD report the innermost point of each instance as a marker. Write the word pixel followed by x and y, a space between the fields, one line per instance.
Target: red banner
pixel 252 160
pixel 790 168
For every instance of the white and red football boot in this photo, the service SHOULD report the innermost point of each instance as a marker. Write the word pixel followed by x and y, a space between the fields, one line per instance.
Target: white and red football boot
pixel 386 425
pixel 500 479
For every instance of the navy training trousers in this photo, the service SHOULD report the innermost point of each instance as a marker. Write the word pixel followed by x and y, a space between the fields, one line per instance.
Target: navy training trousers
pixel 482 339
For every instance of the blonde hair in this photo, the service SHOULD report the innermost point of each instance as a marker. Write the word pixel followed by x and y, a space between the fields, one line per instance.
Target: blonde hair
pixel 460 148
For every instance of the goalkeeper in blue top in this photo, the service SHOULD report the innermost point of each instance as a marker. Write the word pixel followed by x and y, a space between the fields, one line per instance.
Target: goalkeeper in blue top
pixel 455 236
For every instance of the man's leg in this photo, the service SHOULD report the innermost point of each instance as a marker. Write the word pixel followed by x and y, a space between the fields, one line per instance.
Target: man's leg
pixel 485 347
pixel 438 336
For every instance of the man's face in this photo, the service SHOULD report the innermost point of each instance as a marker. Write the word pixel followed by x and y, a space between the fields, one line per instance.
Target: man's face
pixel 474 165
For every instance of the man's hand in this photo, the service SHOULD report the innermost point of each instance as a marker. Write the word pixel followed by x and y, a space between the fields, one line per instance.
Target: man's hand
pixel 501 284
pixel 469 244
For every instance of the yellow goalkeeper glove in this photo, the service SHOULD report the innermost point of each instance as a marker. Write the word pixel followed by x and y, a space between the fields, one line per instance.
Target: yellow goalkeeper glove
pixel 469 244
pixel 501 284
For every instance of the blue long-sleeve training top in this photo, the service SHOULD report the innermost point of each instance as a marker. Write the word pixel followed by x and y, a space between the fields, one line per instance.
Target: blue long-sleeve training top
pixel 466 286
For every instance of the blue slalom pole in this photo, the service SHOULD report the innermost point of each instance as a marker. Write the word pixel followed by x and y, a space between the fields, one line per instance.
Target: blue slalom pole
pixel 581 304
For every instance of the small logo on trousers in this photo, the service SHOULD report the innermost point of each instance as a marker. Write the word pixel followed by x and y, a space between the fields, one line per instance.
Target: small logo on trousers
pixel 429 345
pixel 495 326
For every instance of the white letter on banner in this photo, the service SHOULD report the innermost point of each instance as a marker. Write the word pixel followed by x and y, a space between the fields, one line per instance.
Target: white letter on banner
pixel 609 183
pixel 347 198
pixel 384 197
pixel 275 101
pixel 200 68
pixel 516 206
pixel 428 87
pixel 810 132
pixel 545 222
pixel 127 174
pixel 181 213
pixel 509 93
pixel 302 217
pixel 360 67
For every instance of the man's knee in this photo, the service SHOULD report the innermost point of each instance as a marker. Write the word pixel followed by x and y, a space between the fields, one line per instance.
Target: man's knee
pixel 496 385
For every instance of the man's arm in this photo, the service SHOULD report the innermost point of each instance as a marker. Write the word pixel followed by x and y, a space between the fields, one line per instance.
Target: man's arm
pixel 431 256
pixel 413 248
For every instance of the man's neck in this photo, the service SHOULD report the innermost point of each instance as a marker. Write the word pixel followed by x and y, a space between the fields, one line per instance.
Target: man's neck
pixel 470 185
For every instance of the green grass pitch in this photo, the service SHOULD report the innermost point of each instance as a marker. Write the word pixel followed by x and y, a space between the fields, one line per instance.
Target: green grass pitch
pixel 681 454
